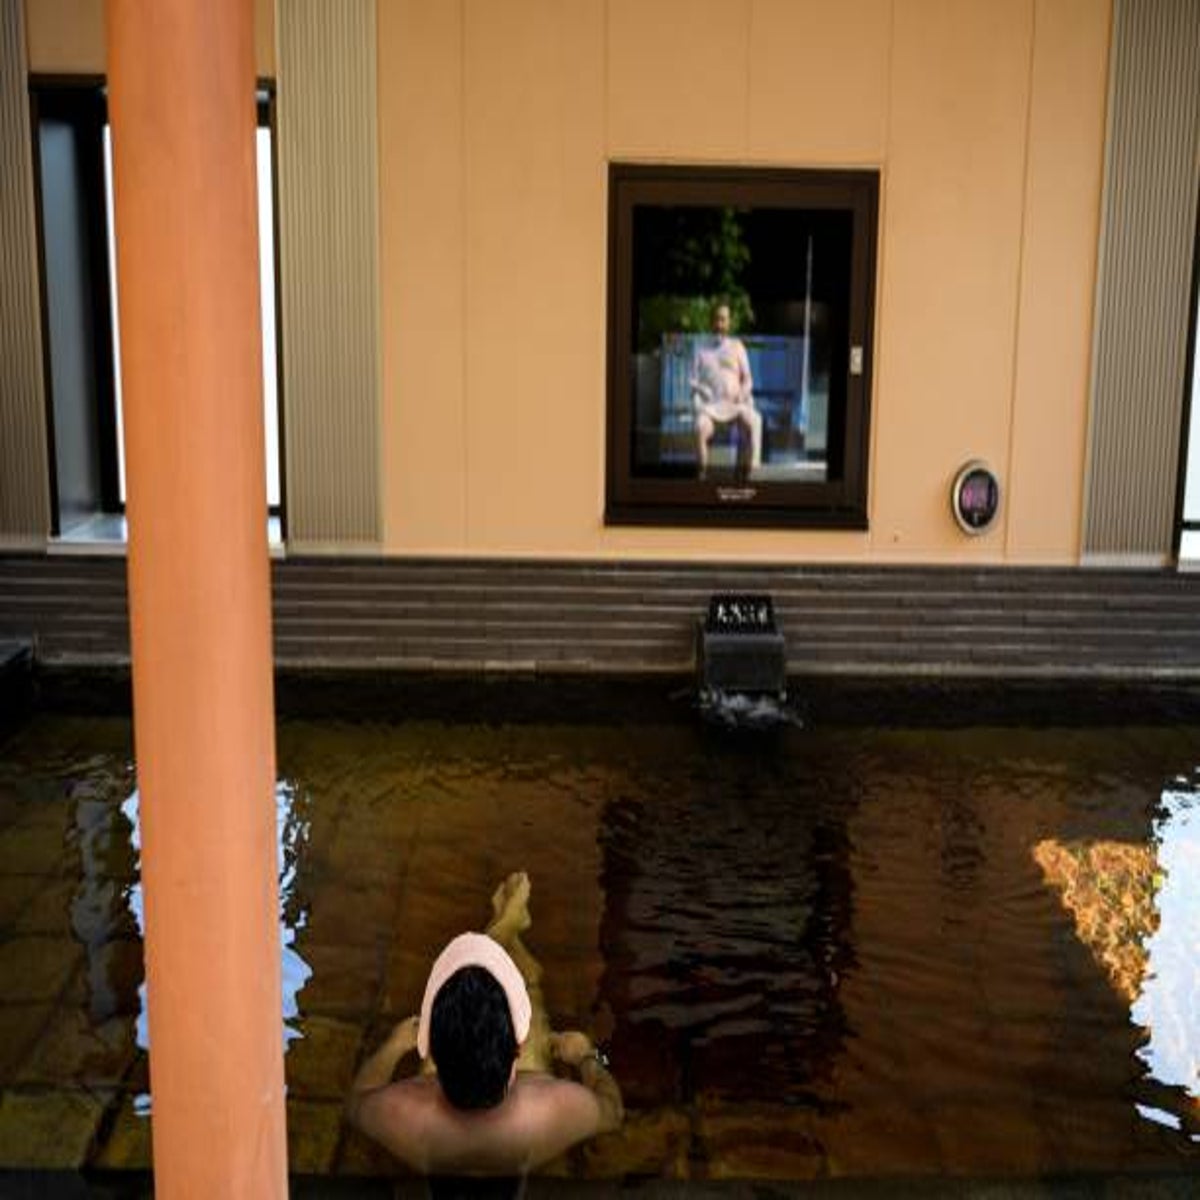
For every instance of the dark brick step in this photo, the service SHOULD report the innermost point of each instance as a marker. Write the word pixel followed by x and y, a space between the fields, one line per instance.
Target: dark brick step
pixel 640 616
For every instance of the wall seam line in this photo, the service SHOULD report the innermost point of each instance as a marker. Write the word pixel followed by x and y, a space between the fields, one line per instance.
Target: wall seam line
pixel 1016 336
pixel 1094 442
pixel 881 262
pixel 464 205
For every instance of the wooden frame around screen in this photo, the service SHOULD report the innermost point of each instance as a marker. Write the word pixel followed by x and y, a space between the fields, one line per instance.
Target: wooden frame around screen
pixel 836 503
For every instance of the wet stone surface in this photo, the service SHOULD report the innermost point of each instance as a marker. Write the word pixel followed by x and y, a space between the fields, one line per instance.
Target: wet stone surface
pixel 825 954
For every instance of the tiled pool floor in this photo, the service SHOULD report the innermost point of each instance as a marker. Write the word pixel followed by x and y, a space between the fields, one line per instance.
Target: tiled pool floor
pixel 899 959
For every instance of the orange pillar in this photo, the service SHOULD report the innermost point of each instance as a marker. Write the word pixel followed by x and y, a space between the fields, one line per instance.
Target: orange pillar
pixel 182 108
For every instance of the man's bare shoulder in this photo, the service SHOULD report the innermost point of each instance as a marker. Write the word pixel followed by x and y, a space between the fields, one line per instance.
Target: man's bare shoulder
pixel 538 1088
pixel 399 1116
pixel 538 1120
pixel 548 1115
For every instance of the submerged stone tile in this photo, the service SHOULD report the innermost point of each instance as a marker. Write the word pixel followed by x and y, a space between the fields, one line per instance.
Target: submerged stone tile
pixel 358 1155
pixel 17 892
pixel 20 1027
pixel 443 896
pixel 320 1063
pixel 758 1142
pixel 891 1137
pixel 653 1142
pixel 1092 1135
pixel 365 857
pixel 128 1146
pixel 345 980
pixel 313 1130
pixel 51 1129
pixel 351 915
pixel 389 820
pixel 978 1139
pixel 74 1050
pixel 36 850
pixel 646 1062
pixel 11 804
pixel 47 909
pixel 404 987
pixel 36 968
pixel 571 987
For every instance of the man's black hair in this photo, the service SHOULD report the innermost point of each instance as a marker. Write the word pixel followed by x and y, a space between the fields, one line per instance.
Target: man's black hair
pixel 471 1039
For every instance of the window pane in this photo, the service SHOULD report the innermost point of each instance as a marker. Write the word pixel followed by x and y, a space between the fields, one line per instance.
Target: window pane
pixel 111 225
pixel 266 262
pixel 1191 494
pixel 266 267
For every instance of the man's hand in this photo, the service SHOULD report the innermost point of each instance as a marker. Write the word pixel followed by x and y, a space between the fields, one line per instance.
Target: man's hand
pixel 403 1038
pixel 570 1047
pixel 578 1050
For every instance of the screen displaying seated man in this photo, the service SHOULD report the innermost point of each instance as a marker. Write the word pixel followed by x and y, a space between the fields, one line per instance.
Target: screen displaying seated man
pixel 723 392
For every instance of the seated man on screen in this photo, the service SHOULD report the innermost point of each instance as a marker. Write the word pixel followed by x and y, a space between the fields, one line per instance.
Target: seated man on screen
pixel 722 391
pixel 488 1103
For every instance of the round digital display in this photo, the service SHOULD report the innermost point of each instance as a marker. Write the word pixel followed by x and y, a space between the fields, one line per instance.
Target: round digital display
pixel 975 498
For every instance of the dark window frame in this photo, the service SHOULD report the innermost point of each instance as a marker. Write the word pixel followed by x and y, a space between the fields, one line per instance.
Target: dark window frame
pixel 267 109
pixel 1182 524
pixel 83 99
pixel 839 503
pixel 79 100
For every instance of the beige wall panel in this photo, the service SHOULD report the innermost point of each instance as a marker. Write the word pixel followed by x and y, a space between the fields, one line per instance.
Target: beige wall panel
pixel 24 469
pixel 677 78
pixel 1058 273
pixel 264 38
pixel 508 456
pixel 535 273
pixel 67 37
pixel 329 264
pixel 819 81
pixel 422 272
pixel 951 254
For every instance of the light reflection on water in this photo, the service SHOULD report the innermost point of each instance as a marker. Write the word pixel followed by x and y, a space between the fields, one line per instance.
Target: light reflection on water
pixel 1136 905
pixel 1168 1006
pixel 292 834
pixel 1002 927
pixel 291 838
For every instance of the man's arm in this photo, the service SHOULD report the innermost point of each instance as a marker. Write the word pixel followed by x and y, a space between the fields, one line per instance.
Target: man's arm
pixel 746 380
pixel 377 1071
pixel 564 1112
pixel 384 1111
pixel 577 1050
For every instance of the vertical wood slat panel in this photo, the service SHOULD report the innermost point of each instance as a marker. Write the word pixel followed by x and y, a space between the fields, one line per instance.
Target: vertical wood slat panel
pixel 1152 178
pixel 24 466
pixel 329 269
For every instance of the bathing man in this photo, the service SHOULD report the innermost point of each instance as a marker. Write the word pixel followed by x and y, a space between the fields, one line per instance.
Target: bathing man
pixel 487 1101
pixel 722 391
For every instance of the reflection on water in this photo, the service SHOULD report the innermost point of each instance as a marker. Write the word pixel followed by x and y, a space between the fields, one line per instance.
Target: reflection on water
pixel 814 952
pixel 1168 1005
pixel 728 905
pixel 106 908
pixel 1137 908
pixel 292 832
pixel 739 710
pixel 1109 889
pixel 109 901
